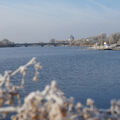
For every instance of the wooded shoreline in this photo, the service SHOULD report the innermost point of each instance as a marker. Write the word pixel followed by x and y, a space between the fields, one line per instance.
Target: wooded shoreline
pixel 98 40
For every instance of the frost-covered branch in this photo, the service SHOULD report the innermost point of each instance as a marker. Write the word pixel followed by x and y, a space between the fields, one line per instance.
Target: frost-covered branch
pixel 9 91
pixel 49 104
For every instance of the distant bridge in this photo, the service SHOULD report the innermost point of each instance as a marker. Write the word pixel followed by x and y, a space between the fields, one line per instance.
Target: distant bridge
pixel 40 44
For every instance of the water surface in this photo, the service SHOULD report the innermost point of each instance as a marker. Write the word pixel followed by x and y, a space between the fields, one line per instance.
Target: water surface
pixel 80 73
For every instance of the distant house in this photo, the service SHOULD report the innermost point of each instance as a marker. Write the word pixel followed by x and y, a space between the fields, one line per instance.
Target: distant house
pixel 71 38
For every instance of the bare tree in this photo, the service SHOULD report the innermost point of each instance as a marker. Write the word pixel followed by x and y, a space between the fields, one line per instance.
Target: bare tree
pixel 52 40
pixel 113 38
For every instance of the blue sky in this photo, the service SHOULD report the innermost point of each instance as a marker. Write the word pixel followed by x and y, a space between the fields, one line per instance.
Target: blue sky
pixel 41 20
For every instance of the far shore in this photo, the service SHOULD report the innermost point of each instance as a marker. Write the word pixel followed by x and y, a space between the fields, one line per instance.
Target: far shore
pixel 98 42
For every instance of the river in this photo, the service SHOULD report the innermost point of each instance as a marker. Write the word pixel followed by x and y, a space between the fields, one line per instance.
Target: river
pixel 79 72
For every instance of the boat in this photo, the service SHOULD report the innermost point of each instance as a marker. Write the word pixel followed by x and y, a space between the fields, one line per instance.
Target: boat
pixel 103 47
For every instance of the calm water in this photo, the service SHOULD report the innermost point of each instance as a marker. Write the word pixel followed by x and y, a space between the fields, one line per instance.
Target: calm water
pixel 80 73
